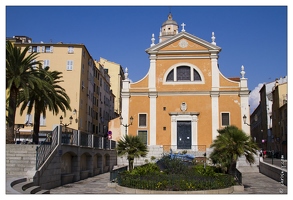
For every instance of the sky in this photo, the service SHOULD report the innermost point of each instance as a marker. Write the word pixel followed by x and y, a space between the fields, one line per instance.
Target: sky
pixel 254 36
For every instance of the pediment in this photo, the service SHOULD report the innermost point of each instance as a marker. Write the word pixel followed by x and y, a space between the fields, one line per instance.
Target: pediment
pixel 184 41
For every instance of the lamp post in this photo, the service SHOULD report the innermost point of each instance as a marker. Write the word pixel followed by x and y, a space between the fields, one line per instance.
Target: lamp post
pixel 70 121
pixel 75 113
pixel 126 125
pixel 244 120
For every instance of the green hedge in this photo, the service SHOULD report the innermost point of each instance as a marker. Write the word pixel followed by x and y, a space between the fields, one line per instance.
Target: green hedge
pixel 174 175
pixel 175 182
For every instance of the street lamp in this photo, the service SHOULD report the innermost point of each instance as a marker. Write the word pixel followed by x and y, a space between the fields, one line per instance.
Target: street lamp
pixel 244 120
pixel 70 121
pixel 75 113
pixel 126 125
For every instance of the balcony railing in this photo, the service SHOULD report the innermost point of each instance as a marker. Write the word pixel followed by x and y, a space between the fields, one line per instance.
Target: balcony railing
pixel 70 137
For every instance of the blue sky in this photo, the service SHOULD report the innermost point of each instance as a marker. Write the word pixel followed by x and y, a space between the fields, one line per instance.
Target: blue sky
pixel 253 36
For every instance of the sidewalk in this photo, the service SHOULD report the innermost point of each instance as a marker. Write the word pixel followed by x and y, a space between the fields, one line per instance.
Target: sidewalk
pixel 254 183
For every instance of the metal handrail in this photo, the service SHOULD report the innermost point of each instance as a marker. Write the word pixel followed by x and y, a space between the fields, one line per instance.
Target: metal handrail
pixel 238 176
pixel 46 147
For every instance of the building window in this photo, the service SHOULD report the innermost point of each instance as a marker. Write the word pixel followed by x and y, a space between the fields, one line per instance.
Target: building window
pixel 170 76
pixel 28 119
pixel 46 63
pixel 143 135
pixel 225 119
pixel 70 49
pixel 82 86
pixel 42 120
pixel 196 76
pixel 48 49
pixel 69 65
pixel 142 120
pixel 34 49
pixel 34 66
pixel 183 74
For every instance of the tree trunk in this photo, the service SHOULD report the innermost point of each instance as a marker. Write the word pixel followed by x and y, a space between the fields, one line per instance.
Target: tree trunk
pixel 36 129
pixel 130 164
pixel 11 117
pixel 232 168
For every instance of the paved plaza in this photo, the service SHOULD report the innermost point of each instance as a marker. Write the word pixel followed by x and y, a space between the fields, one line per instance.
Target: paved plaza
pixel 254 183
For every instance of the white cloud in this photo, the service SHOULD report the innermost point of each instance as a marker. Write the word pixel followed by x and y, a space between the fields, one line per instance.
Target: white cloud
pixel 254 97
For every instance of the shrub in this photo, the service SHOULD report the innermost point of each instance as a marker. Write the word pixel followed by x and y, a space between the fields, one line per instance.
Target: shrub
pixel 205 170
pixel 149 168
pixel 172 166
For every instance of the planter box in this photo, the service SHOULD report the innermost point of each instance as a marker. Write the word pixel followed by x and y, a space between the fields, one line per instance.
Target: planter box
pixel 66 178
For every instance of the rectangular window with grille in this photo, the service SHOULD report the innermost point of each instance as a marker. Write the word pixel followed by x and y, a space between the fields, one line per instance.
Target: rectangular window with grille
pixel 142 120
pixel 225 119
pixel 143 136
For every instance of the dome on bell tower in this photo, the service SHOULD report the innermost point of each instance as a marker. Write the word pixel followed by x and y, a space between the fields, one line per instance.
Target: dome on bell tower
pixel 168 29
pixel 170 21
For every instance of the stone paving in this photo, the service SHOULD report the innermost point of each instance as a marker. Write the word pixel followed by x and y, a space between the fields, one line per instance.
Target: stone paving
pixel 254 183
pixel 93 185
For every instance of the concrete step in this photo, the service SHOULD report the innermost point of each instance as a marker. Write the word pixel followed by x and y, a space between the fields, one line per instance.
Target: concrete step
pixel 21 187
pixel 28 187
pixel 32 190
pixel 43 192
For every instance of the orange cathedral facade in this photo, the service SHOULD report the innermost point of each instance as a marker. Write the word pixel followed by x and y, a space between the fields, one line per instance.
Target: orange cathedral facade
pixel 184 98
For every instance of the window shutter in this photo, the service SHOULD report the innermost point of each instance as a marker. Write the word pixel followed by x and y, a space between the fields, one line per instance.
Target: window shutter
pixel 30 49
pixel 46 63
pixel 38 49
pixel 42 120
pixel 51 48
pixel 28 118
pixel 43 49
pixel 34 66
pixel 69 64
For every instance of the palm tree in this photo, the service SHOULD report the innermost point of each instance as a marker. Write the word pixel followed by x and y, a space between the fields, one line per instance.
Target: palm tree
pixel 230 144
pixel 52 97
pixel 133 147
pixel 21 75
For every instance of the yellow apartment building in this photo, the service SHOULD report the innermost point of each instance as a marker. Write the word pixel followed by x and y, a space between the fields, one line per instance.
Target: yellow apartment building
pixel 116 74
pixel 279 120
pixel 184 98
pixel 86 82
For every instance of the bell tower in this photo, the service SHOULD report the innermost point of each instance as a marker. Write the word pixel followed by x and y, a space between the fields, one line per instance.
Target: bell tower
pixel 168 29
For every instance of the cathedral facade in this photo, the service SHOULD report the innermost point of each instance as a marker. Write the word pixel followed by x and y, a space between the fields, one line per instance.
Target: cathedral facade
pixel 184 98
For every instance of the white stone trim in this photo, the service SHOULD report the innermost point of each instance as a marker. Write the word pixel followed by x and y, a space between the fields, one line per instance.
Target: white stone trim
pixel 183 82
pixel 215 115
pixel 184 117
pixel 181 57
pixel 245 111
pixel 152 73
pixel 153 119
pixel 215 73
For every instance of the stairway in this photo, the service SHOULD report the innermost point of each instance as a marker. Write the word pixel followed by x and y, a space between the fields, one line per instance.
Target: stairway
pixel 243 166
pixel 20 169
pixel 22 186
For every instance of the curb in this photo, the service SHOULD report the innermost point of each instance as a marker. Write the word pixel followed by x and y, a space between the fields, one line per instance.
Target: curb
pixel 126 190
